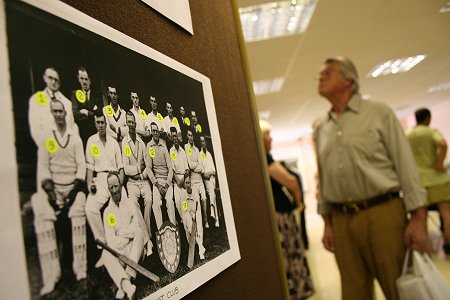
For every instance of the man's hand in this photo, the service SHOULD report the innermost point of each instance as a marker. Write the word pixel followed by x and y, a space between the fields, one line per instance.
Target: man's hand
pixel 416 233
pixel 328 237
pixel 49 187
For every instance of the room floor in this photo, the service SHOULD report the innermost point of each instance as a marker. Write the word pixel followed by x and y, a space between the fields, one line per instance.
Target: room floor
pixel 323 265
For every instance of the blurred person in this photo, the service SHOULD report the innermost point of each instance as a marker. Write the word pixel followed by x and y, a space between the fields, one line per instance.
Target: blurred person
pixel 209 178
pixel 429 149
pixel 140 116
pixel 115 116
pixel 364 161
pixel 125 232
pixel 160 173
pixel 196 171
pixel 180 167
pixel 58 207
pixel 40 118
pixel 191 213
pixel 287 196
pixel 102 156
pixel 133 152
pixel 84 104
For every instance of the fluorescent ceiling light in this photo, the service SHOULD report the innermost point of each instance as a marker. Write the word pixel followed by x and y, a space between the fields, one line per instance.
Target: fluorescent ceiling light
pixel 268 86
pixel 275 19
pixel 396 66
pixel 445 8
pixel 439 87
pixel 264 115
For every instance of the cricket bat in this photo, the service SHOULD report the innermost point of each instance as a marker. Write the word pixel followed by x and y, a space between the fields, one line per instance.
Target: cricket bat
pixel 129 262
pixel 190 261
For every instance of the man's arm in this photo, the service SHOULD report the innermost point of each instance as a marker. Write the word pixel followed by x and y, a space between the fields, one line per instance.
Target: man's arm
pixel 442 151
pixel 283 177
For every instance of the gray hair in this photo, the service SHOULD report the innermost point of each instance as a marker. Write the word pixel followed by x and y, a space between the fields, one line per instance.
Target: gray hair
pixel 348 70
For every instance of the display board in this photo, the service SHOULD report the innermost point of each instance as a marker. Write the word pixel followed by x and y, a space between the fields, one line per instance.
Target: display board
pixel 216 52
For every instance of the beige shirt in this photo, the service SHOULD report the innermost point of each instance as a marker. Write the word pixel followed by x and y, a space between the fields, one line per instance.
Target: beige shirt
pixel 364 153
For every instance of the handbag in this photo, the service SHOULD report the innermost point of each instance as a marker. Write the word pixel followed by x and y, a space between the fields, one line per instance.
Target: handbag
pixel 421 279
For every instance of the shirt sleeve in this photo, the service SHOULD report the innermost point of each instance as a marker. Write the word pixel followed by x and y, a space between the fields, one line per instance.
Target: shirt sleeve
pixel 79 157
pixel 149 165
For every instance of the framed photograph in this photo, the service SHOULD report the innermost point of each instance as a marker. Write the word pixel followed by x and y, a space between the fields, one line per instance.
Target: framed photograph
pixel 118 169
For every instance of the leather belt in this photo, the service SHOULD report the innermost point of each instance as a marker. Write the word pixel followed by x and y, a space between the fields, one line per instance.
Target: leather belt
pixel 356 206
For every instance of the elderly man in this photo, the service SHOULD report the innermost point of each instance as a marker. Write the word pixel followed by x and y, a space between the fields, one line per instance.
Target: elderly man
pixel 62 169
pixel 102 156
pixel 40 118
pixel 160 172
pixel 115 116
pixel 364 161
pixel 84 103
pixel 196 170
pixel 209 178
pixel 133 152
pixel 125 233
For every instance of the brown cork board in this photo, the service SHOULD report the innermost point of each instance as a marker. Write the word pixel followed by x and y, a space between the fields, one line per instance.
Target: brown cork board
pixel 215 51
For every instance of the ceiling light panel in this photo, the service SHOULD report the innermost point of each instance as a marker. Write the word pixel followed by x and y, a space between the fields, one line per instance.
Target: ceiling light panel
pixel 439 87
pixel 275 19
pixel 395 66
pixel 445 8
pixel 268 86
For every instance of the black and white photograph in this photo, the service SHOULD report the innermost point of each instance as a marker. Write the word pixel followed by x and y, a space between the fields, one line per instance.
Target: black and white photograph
pixel 121 180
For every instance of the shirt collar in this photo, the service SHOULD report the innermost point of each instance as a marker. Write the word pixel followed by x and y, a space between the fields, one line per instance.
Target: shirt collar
pixel 353 105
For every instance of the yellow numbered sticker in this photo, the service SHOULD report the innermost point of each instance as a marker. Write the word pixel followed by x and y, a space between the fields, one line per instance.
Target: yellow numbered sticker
pixel 95 151
pixel 203 155
pixel 41 98
pixel 81 96
pixel 112 220
pixel 199 128
pixel 51 145
pixel 175 121
pixel 187 121
pixel 151 151
pixel 109 110
pixel 127 150
pixel 184 205
pixel 173 155
pixel 142 114
pixel 189 151
pixel 159 117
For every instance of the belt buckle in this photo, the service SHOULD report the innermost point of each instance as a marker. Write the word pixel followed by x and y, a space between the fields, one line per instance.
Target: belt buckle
pixel 351 208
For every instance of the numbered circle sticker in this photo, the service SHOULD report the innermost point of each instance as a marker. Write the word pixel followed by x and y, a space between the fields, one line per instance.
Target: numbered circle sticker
pixel 159 117
pixel 173 155
pixel 199 128
pixel 203 155
pixel 175 121
pixel 187 121
pixel 109 110
pixel 151 151
pixel 95 151
pixel 112 220
pixel 51 145
pixel 142 114
pixel 189 151
pixel 81 96
pixel 41 98
pixel 127 150
pixel 184 205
